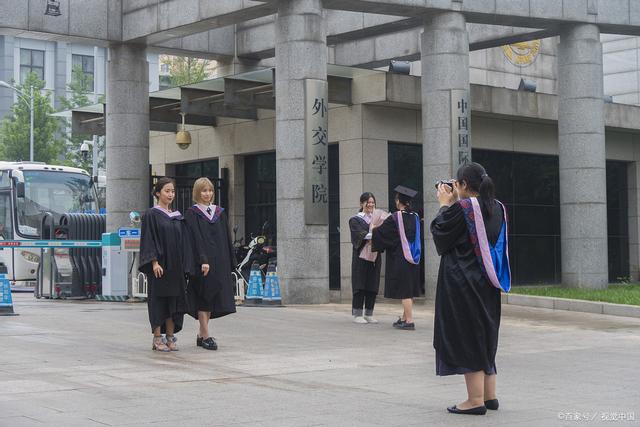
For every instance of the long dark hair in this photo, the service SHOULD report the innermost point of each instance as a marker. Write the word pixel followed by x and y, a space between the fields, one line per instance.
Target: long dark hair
pixel 160 183
pixel 365 197
pixel 479 181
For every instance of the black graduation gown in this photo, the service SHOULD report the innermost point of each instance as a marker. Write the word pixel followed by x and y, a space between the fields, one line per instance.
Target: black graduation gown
pixel 365 275
pixel 211 245
pixel 164 238
pixel 467 307
pixel 402 279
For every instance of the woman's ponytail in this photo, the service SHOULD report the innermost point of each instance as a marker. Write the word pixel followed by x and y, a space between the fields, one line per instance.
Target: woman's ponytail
pixel 487 195
pixel 479 181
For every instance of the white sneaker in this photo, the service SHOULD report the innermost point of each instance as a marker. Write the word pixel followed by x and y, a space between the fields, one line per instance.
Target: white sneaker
pixel 370 319
pixel 359 319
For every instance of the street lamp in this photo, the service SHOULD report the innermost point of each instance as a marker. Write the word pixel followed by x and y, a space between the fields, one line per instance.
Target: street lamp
pixel 84 149
pixel 24 97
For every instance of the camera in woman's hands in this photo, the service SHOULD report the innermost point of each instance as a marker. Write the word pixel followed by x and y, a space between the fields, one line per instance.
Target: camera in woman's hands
pixel 448 182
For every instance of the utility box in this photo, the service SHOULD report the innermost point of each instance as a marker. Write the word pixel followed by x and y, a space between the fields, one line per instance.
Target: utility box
pixel 115 276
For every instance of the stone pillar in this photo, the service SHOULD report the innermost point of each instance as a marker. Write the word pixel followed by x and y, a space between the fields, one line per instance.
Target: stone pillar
pixel 301 53
pixel 6 74
pixel 127 132
pixel 60 83
pixel 581 146
pixel 445 67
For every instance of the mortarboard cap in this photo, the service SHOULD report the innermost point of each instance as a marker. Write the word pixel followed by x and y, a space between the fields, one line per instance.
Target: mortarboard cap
pixel 407 192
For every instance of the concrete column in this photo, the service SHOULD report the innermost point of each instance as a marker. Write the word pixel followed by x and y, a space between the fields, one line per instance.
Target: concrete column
pixel 6 74
pixel 583 201
pixel 445 67
pixel 60 72
pixel 127 132
pixel 363 167
pixel 301 53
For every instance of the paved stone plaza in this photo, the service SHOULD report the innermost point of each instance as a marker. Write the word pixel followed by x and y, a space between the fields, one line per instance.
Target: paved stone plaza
pixel 87 363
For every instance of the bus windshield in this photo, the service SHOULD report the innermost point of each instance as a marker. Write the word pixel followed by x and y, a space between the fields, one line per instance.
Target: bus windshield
pixel 55 192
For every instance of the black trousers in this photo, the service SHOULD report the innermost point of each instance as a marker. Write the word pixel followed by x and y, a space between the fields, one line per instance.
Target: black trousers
pixel 366 298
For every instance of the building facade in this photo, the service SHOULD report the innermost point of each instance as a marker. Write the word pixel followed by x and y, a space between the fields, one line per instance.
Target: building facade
pixel 53 62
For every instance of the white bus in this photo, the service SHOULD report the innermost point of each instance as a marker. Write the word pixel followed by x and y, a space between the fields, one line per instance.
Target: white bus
pixel 27 191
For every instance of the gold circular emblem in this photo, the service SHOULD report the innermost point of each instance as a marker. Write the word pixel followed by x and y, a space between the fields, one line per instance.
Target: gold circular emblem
pixel 523 53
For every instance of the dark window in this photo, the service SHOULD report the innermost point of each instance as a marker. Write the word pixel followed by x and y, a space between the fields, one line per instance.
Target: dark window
pixel 185 176
pixel 405 168
pixel 31 61
pixel 334 217
pixel 85 64
pixel 617 221
pixel 6 225
pixel 260 195
pixel 529 185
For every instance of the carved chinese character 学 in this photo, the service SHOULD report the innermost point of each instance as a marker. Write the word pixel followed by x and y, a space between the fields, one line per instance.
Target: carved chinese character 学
pixel 320 163
pixel 319 193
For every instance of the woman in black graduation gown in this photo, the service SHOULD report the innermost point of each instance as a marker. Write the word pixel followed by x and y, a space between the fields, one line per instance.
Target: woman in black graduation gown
pixel 365 275
pixel 399 236
pixel 467 308
pixel 211 293
pixel 165 257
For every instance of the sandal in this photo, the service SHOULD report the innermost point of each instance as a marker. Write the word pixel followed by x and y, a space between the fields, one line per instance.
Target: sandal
pixel 171 342
pixel 159 344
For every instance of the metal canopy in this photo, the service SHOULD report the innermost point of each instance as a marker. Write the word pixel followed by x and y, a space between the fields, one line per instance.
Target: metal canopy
pixel 239 96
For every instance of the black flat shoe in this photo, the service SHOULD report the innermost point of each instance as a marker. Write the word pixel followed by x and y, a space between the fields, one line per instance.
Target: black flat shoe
pixel 398 322
pixel 478 410
pixel 405 326
pixel 209 344
pixel 199 341
pixel 492 404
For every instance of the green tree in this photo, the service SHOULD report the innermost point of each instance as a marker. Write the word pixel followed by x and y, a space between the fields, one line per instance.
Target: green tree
pixel 185 70
pixel 14 129
pixel 79 97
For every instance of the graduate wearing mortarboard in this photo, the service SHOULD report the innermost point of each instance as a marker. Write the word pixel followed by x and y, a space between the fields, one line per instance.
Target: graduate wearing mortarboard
pixel 399 237
pixel 470 235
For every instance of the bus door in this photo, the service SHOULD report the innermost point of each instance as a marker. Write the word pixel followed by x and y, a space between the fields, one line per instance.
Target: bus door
pixel 6 230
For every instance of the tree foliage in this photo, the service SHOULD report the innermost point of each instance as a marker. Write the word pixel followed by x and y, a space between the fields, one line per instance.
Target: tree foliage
pixel 185 70
pixel 79 97
pixel 15 128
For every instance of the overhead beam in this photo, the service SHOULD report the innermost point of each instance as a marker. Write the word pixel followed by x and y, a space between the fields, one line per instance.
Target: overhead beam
pixel 211 104
pixel 161 21
pixel 621 17
pixel 249 94
pixel 377 51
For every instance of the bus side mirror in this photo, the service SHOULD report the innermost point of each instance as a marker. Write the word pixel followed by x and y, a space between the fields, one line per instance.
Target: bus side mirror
pixel 20 190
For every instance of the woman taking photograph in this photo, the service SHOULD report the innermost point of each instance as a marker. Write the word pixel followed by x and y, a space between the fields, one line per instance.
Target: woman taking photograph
pixel 165 257
pixel 470 235
pixel 210 294
pixel 365 264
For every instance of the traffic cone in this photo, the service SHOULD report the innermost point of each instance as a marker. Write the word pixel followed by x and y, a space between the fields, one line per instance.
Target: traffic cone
pixel 267 294
pixel 273 283
pixel 254 293
pixel 6 302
